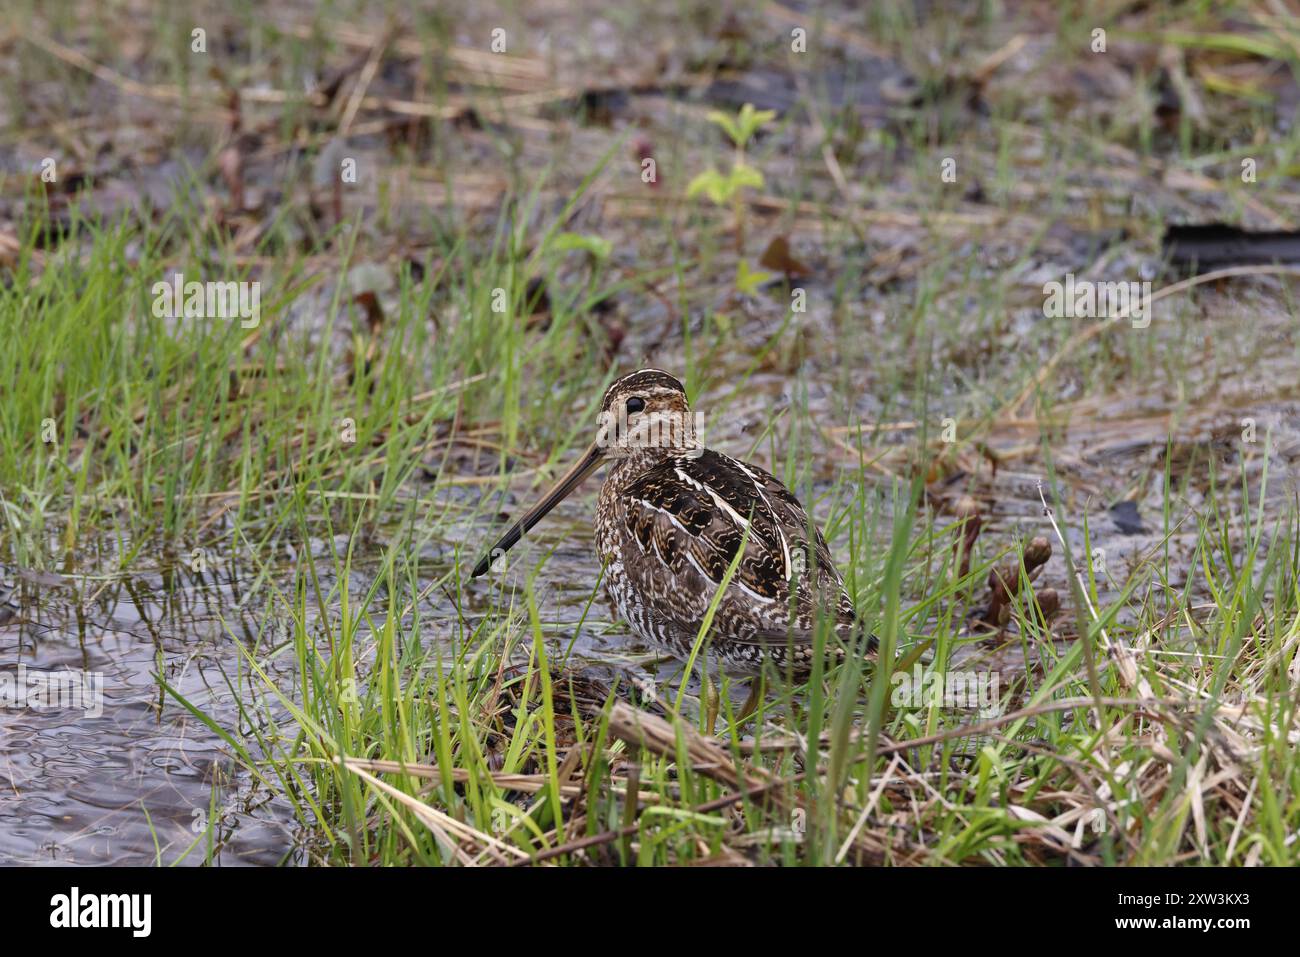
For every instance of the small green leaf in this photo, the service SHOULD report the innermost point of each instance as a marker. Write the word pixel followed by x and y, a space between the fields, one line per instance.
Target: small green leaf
pixel 742 176
pixel 727 123
pixel 748 281
pixel 713 185
pixel 745 125
pixel 751 120
pixel 567 242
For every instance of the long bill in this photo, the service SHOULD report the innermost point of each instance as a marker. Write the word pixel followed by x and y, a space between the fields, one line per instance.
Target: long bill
pixel 590 461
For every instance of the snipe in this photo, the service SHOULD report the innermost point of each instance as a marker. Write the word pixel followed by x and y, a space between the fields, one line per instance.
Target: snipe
pixel 671 518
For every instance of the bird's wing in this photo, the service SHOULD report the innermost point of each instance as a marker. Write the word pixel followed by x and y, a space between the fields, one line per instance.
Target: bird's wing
pixel 689 516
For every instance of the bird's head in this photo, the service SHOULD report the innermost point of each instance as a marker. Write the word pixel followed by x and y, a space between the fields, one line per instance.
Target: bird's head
pixel 644 417
pixel 646 413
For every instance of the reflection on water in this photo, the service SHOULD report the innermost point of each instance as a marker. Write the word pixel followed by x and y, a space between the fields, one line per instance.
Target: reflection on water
pixel 120 773
pixel 100 765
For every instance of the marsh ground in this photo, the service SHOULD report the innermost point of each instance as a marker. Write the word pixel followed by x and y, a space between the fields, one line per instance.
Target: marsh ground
pixel 259 535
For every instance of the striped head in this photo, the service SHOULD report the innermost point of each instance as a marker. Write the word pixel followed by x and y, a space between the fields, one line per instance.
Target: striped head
pixel 644 418
pixel 645 415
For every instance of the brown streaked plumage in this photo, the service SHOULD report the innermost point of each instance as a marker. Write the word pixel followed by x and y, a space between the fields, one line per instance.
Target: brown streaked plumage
pixel 670 519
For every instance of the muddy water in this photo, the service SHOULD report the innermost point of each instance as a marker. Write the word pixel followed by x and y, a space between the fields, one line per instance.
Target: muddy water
pixel 115 770
pixel 120 773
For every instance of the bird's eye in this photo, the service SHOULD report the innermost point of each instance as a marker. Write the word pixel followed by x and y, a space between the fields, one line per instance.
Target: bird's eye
pixel 635 404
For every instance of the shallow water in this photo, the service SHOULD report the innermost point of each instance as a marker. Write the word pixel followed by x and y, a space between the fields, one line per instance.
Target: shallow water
pixel 118 771
pixel 123 774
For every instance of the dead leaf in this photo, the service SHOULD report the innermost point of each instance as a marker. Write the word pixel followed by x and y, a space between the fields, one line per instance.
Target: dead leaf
pixel 777 257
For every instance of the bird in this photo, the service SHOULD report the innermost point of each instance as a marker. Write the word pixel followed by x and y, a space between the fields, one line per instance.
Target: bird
pixel 671 518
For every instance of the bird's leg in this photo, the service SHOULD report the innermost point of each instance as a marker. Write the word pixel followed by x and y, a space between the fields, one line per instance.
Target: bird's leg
pixel 751 703
pixel 712 701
